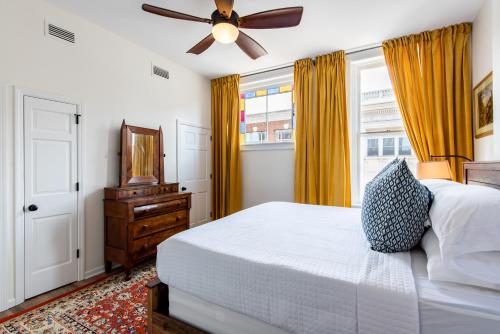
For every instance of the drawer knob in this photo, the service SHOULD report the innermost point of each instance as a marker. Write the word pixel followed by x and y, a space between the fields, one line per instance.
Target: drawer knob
pixel 177 218
pixel 144 227
pixel 145 246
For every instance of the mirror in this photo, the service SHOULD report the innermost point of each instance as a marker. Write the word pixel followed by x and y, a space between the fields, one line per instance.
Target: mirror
pixel 142 155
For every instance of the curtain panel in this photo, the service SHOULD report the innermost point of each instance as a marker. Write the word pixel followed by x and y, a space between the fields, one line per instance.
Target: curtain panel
pixel 334 173
pixel 226 165
pixel 431 77
pixel 322 157
pixel 305 159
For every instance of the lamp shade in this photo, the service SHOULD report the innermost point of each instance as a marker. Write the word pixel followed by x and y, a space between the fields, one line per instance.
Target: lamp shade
pixel 434 170
pixel 225 32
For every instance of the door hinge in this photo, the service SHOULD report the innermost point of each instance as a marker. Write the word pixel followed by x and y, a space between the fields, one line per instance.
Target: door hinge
pixel 210 138
pixel 210 175
pixel 78 253
pixel 77 118
pixel 78 186
pixel 210 213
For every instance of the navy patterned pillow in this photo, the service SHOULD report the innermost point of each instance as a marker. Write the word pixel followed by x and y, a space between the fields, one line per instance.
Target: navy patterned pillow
pixel 395 208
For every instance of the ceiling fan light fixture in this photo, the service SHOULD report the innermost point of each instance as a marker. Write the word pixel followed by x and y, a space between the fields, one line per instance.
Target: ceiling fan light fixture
pixel 225 33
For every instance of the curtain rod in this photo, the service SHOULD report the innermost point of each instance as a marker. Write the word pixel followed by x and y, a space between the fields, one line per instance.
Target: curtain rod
pixel 282 67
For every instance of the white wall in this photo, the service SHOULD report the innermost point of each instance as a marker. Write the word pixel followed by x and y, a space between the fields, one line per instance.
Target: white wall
pixel 268 169
pixel 496 77
pixel 111 78
pixel 267 175
pixel 486 58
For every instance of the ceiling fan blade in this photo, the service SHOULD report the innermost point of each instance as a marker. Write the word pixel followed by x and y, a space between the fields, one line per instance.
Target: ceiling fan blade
pixel 173 14
pixel 271 19
pixel 225 7
pixel 203 45
pixel 253 49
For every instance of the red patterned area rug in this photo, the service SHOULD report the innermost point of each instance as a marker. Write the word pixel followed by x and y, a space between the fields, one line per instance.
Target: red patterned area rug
pixel 112 305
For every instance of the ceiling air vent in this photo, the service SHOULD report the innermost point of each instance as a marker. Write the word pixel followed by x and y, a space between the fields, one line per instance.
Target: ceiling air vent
pixel 158 71
pixel 60 33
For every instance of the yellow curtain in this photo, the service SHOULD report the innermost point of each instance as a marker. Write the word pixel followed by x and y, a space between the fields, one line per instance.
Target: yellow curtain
pixel 305 164
pixel 431 77
pixel 332 131
pixel 226 186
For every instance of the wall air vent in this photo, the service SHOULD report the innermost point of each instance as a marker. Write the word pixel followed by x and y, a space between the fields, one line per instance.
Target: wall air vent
pixel 60 33
pixel 160 72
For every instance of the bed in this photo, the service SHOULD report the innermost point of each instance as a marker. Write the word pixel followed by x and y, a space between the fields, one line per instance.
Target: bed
pixel 246 275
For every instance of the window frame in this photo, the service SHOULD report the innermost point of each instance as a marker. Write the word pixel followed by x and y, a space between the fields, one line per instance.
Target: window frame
pixel 356 62
pixel 252 82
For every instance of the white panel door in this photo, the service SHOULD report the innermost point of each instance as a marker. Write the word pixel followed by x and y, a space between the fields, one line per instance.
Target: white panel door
pixel 50 197
pixel 193 166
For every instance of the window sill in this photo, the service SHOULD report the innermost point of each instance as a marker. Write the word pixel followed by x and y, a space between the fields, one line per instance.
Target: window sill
pixel 267 147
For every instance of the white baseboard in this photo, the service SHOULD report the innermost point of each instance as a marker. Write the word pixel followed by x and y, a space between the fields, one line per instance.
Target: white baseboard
pixel 8 304
pixel 93 272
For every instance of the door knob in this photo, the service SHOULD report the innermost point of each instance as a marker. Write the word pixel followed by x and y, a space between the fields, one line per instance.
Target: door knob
pixel 183 189
pixel 32 207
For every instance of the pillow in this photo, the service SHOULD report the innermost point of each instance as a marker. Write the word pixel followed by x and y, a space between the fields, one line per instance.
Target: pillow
pixel 479 269
pixel 395 209
pixel 465 218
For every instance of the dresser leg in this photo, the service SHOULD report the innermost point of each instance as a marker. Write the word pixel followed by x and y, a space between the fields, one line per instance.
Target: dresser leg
pixel 108 265
pixel 127 274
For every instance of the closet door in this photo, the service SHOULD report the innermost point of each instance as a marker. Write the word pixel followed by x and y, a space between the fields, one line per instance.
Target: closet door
pixel 51 201
pixel 193 169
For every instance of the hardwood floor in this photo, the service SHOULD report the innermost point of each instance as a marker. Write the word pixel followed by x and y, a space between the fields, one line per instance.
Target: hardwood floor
pixel 55 293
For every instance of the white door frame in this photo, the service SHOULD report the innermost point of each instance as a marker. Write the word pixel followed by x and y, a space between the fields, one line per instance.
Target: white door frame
pixel 180 122
pixel 19 273
pixel 5 229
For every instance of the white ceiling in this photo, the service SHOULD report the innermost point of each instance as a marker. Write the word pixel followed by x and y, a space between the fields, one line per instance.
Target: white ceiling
pixel 327 25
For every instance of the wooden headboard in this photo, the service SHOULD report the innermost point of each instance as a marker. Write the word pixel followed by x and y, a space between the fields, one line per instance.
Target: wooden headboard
pixel 483 173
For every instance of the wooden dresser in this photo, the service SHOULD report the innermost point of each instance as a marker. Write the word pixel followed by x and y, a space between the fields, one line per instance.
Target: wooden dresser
pixel 138 219
pixel 140 215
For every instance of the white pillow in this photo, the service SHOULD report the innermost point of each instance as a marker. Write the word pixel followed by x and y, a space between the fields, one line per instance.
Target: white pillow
pixel 479 269
pixel 465 218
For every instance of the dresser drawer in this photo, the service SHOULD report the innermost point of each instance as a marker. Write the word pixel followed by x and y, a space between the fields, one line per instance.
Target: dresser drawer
pixel 146 246
pixel 134 192
pixel 156 224
pixel 168 188
pixel 159 208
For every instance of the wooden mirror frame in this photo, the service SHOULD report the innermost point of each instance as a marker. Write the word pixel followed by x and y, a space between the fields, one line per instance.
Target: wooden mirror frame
pixel 126 177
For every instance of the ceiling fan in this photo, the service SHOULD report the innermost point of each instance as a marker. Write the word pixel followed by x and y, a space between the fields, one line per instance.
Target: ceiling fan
pixel 226 23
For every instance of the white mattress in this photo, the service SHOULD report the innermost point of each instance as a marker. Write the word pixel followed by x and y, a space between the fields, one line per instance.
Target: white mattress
pixel 301 268
pixel 454 308
pixel 444 308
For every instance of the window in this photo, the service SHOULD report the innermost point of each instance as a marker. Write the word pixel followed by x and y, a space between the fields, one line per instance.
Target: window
pixel 283 135
pixel 267 115
pixel 388 148
pixel 377 130
pixel 256 137
pixel 372 150
pixel 404 146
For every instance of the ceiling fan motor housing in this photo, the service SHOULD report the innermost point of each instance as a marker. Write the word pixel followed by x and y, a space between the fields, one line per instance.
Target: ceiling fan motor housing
pixel 218 18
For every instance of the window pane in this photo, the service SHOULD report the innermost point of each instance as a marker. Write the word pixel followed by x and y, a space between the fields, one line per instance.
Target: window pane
pixel 380 124
pixel 268 111
pixel 388 148
pixel 372 145
pixel 278 102
pixel 404 146
pixel 255 105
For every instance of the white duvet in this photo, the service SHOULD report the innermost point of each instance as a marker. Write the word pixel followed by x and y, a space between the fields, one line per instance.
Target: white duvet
pixel 303 268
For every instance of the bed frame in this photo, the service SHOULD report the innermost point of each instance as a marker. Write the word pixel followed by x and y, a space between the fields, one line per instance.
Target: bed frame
pixel 159 319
